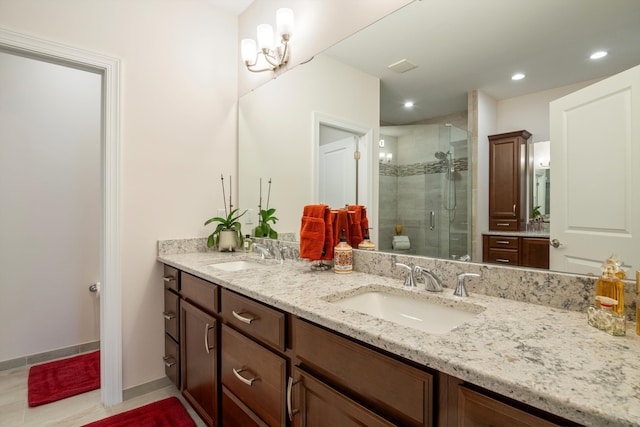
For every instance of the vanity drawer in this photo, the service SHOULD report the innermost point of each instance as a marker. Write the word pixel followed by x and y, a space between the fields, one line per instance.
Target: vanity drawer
pixel 171 360
pixel 503 242
pixel 170 313
pixel 395 390
pixel 504 224
pixel 171 278
pixel 257 320
pixel 255 375
pixel 503 256
pixel 199 292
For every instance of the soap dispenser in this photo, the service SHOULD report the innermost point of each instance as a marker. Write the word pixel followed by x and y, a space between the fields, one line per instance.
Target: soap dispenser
pixel 343 256
pixel 366 244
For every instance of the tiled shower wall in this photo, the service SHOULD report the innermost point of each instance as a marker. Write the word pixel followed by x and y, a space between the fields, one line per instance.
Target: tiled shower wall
pixel 414 184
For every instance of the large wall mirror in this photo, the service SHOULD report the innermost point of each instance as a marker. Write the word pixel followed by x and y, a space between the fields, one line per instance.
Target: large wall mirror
pixel 456 47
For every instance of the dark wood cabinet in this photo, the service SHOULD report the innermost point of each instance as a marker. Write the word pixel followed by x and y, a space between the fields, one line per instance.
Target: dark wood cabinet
pixel 316 404
pixel 508 170
pixel 199 347
pixel 264 367
pixel 534 252
pixel 522 251
pixel 392 389
pixel 171 315
pixel 255 375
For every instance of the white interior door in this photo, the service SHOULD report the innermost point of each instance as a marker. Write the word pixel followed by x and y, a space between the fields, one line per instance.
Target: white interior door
pixel 595 178
pixel 337 169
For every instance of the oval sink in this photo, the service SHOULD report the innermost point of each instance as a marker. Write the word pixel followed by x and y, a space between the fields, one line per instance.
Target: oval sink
pixel 236 265
pixel 410 310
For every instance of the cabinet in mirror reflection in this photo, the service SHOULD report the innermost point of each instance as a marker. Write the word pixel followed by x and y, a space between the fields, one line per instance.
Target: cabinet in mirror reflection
pixel 425 190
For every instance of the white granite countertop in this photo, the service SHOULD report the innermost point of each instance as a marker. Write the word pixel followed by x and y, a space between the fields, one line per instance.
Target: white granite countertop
pixel 546 357
pixel 542 233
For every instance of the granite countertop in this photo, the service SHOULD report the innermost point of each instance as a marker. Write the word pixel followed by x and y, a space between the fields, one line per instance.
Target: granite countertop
pixel 546 357
pixel 543 233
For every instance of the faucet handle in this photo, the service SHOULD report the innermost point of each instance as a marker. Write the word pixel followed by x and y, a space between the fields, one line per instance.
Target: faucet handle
pixel 461 289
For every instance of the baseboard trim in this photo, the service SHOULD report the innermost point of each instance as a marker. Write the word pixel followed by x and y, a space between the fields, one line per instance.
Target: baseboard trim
pixel 46 356
pixel 145 388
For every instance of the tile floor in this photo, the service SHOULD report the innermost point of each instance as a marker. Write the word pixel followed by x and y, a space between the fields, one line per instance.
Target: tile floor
pixel 71 412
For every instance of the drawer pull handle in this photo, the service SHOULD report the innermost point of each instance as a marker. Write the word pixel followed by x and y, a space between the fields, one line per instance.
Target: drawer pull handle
pixel 502 224
pixel 169 361
pixel 168 279
pixel 247 381
pixel 242 318
pixel 506 261
pixel 207 328
pixel 514 209
pixel 168 315
pixel 502 242
pixel 290 409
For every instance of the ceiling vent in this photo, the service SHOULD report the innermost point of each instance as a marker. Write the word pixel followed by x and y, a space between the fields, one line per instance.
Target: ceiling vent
pixel 402 66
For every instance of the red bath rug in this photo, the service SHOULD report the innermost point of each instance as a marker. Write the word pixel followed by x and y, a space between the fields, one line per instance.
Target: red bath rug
pixel 63 378
pixel 163 413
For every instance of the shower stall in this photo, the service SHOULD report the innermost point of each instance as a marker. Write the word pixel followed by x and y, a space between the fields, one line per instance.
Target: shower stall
pixel 425 190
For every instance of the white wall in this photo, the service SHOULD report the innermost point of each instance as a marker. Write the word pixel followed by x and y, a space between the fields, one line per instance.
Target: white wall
pixel 531 112
pixel 179 85
pixel 279 145
pixel 318 25
pixel 51 206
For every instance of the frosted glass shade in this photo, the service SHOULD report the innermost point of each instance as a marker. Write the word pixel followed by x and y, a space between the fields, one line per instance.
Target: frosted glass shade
pixel 284 21
pixel 265 37
pixel 248 50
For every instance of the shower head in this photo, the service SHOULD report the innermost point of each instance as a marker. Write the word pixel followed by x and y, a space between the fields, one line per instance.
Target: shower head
pixel 441 155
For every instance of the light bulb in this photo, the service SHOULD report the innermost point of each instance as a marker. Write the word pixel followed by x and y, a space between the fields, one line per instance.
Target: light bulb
pixel 265 37
pixel 248 50
pixel 284 22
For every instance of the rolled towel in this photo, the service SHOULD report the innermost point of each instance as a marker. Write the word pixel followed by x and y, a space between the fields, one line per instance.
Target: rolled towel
pixel 401 243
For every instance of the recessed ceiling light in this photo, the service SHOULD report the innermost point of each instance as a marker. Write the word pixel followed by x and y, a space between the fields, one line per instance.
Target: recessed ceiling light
pixel 408 104
pixel 599 54
pixel 517 76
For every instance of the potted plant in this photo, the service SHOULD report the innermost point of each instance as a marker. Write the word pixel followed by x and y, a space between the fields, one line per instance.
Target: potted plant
pixel 264 228
pixel 227 235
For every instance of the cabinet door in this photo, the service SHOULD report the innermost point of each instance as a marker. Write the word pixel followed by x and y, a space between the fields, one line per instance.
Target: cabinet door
pixel 315 404
pixel 534 252
pixel 507 180
pixel 478 410
pixel 199 361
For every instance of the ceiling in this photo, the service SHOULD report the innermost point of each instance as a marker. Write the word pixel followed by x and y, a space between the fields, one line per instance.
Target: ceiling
pixel 463 45
pixel 235 7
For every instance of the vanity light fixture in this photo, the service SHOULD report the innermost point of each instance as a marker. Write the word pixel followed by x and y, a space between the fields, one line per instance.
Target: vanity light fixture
pixel 275 57
pixel 381 143
pixel 599 54
pixel 389 157
pixel 518 76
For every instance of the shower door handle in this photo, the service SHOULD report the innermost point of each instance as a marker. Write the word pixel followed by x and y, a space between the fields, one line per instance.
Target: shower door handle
pixel 432 220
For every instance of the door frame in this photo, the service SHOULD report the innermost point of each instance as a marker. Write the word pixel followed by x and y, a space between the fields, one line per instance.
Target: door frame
pixel 110 241
pixel 366 137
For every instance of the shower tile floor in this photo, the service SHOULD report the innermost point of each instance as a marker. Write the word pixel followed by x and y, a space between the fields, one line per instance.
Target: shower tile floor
pixel 73 411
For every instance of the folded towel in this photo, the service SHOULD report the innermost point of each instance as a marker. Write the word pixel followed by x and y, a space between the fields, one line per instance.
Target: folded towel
pixel 400 243
pixel 316 233
pixel 356 233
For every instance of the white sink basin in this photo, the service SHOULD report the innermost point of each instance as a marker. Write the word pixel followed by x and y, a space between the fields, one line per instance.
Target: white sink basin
pixel 410 310
pixel 236 265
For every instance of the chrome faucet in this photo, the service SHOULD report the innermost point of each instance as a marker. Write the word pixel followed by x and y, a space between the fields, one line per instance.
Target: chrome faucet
pixel 432 282
pixel 409 279
pixel 461 289
pixel 265 252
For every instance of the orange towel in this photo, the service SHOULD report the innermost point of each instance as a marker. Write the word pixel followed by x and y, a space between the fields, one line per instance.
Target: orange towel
pixel 313 233
pixel 341 221
pixel 356 233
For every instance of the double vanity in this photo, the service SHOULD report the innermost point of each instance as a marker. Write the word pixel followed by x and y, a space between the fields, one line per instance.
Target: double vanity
pixel 263 342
